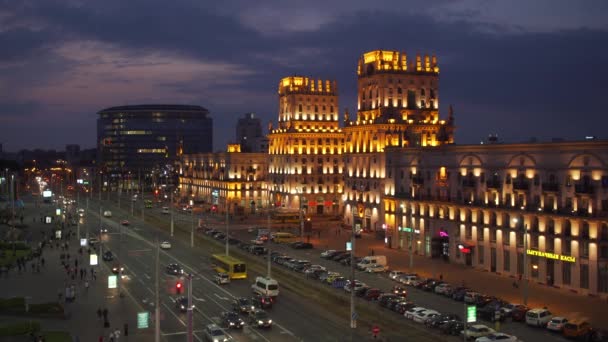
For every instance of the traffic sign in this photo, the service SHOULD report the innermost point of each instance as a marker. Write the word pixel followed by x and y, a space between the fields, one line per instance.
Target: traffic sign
pixel 349 246
pixel 93 259
pixel 471 314
pixel 143 319
pixel 354 315
pixel 112 282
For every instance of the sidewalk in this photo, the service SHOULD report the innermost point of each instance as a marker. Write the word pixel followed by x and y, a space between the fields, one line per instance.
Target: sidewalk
pixel 82 321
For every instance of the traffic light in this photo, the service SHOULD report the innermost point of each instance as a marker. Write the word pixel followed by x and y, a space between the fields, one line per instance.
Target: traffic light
pixel 178 287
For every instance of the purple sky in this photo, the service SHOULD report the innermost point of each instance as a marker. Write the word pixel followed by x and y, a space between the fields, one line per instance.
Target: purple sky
pixel 517 68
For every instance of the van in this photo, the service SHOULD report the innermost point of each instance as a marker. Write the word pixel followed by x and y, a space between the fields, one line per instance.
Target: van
pixel 538 317
pixel 165 210
pixel 266 286
pixel 371 260
pixel 284 237
pixel 107 213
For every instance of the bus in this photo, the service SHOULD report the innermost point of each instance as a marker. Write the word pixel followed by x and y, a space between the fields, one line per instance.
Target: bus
pixel 286 216
pixel 148 203
pixel 281 237
pixel 234 267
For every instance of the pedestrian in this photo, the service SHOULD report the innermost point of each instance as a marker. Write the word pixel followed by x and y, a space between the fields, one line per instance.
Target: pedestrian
pixel 372 252
pixel 42 261
pixel 99 314
pixel 117 334
pixel 112 336
pixel 94 276
pixel 126 329
pixel 76 263
pixel 440 276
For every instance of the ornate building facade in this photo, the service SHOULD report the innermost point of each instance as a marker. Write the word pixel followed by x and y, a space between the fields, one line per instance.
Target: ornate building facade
pixel 305 149
pixel 397 105
pixel 229 180
pixel 474 204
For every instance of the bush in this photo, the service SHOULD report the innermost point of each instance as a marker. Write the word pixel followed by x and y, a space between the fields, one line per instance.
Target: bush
pixel 20 328
pixel 44 308
pixel 17 245
pixel 12 303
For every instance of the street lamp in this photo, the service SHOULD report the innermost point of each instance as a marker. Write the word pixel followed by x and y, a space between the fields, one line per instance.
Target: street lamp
pixel 411 247
pixel 525 275
pixel 301 216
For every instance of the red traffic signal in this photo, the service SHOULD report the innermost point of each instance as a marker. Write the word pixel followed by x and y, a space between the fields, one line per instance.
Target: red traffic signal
pixel 178 287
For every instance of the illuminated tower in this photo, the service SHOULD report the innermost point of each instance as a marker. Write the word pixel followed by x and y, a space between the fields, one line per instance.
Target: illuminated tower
pixel 397 105
pixel 305 148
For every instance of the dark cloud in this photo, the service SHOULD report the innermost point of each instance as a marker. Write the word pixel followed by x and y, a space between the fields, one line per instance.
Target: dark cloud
pixel 511 77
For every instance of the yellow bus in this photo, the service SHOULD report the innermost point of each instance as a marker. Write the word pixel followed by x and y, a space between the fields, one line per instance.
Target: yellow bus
pixel 286 216
pixel 234 267
pixel 281 237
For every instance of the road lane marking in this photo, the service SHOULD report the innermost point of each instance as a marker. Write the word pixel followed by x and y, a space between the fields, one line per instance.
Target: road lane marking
pixel 199 299
pixel 220 297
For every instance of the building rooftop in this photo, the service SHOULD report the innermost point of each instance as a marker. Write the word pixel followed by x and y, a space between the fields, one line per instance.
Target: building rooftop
pixel 154 107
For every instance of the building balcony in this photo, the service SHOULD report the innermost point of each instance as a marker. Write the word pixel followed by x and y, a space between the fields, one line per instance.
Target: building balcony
pixel 550 187
pixel 521 185
pixel 583 188
pixel 494 184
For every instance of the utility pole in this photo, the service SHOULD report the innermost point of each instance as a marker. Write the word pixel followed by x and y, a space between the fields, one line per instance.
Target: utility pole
pixel 192 226
pixel 189 312
pixel 301 218
pixel 157 299
pixel 526 266
pixel 227 224
pixel 411 241
pixel 171 212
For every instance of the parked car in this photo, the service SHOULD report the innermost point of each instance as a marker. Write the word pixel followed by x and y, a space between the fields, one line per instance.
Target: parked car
pixel 497 336
pixel 459 293
pixel 125 222
pixel 395 274
pixel 409 314
pixel 358 285
pixel 403 306
pixel 232 320
pixel 174 269
pixel 443 288
pixel 491 311
pixel 385 298
pixel 439 320
pixel 372 294
pixel 507 309
pixel 518 314
pixel 453 327
pixel 328 253
pixel 377 268
pixel 538 317
pixel 471 297
pixel 301 245
pixel 577 329
pixel 429 286
pixel 422 316
pixel 476 331
pixel 557 323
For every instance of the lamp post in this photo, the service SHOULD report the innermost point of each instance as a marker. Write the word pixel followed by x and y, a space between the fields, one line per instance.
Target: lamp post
pixel 411 241
pixel 301 216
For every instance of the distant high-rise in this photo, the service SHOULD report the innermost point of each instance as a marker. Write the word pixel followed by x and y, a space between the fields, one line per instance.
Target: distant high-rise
pixel 249 133
pixel 142 137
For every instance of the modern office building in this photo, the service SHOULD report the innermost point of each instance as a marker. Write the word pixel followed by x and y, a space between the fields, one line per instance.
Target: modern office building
pixel 231 179
pixel 143 137
pixel 473 205
pixel 305 165
pixel 397 106
pixel 249 133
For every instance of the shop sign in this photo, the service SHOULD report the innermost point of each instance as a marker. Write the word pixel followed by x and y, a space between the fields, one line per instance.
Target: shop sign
pixel 566 258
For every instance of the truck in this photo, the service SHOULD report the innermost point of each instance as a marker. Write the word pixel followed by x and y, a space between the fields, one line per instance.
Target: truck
pixel 371 260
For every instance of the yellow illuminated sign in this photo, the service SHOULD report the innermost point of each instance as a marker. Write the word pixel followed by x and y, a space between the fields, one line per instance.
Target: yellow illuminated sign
pixel 567 258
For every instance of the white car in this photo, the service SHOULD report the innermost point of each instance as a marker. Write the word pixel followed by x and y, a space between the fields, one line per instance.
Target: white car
pixel 557 323
pixel 497 337
pixel 165 245
pixel 443 288
pixel 376 268
pixel 508 309
pixel 395 274
pixel 358 285
pixel 222 278
pixel 476 331
pixel 214 333
pixel 422 316
pixel 409 314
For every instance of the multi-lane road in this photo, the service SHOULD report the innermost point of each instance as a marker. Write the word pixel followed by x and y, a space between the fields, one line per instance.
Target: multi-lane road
pixel 294 318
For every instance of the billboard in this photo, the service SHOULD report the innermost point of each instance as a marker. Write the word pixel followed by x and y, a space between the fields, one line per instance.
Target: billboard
pixel 47 193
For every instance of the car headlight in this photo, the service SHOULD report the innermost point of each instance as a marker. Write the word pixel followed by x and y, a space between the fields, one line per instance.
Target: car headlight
pixel 216 340
pixel 252 307
pixel 181 306
pixel 260 322
pixel 231 323
pixel 269 321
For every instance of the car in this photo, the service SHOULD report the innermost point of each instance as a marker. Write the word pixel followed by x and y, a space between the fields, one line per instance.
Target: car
pixel 577 329
pixel 213 333
pixel 243 305
pixel 103 230
pixel 165 245
pixel 232 320
pixel 402 306
pixel 107 256
pixel 358 285
pixel 443 288
pixel 408 279
pixel 395 302
pixel 409 314
pixel 459 293
pixel 347 261
pixel 372 294
pixel 360 292
pixel 476 331
pixel 538 317
pixel 181 303
pixel 518 314
pixel 107 213
pixel 323 277
pixel 341 257
pixel 453 327
pixel 507 309
pixel 422 316
pixel 115 269
pixel 395 274
pixel 376 268
pixel 258 250
pixel 260 319
pixel 221 278
pixel 471 297
pixel 557 323
pixel 125 222
pixel 497 336
pixel 328 253
pixel 301 245
pixel 262 302
pixel 430 285
pixel 338 255
pixel 165 211
pixel 174 269
pixel 258 242
pixel 399 291
pixel 439 320
pixel 331 277
pixel 491 311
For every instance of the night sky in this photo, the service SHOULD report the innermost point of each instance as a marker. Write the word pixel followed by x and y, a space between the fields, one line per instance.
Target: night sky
pixel 520 69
